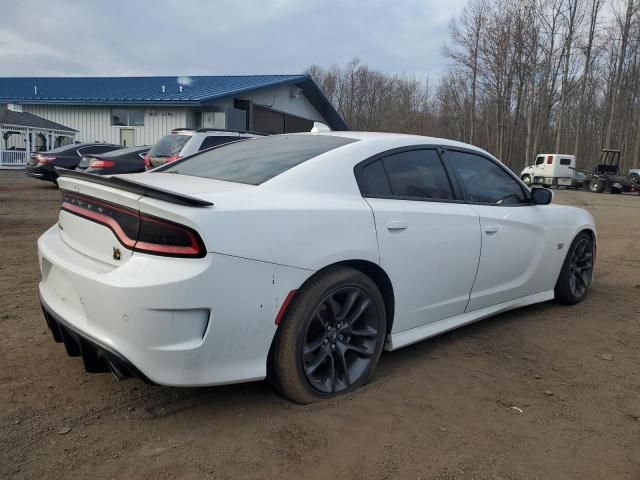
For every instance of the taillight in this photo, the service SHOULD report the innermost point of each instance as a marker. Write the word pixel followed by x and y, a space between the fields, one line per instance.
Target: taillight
pixel 137 231
pixel 101 164
pixel 43 160
pixel 550 159
pixel 147 162
pixel 171 159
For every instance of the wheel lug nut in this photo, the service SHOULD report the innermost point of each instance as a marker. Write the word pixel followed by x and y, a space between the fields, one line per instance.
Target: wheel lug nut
pixel 326 341
pixel 341 337
pixel 333 346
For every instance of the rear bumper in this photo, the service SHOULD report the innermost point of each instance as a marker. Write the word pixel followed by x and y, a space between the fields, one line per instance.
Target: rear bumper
pixel 42 172
pixel 169 321
pixel 96 357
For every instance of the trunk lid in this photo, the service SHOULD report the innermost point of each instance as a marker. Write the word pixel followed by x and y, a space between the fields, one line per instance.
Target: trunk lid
pixel 165 196
pixel 86 236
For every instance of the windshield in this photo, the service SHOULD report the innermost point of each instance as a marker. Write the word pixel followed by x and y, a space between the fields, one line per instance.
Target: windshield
pixel 257 160
pixel 169 145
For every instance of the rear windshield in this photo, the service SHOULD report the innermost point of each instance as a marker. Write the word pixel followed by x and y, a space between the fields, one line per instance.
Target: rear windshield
pixel 65 148
pixel 257 160
pixel 169 145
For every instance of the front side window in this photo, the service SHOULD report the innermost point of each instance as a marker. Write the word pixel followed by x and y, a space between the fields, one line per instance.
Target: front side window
pixel 127 117
pixel 418 173
pixel 539 160
pixel 484 181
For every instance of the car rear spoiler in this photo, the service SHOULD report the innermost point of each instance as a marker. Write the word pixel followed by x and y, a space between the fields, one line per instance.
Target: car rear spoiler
pixel 135 187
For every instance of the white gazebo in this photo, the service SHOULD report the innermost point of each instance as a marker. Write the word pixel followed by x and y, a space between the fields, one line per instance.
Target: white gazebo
pixel 23 133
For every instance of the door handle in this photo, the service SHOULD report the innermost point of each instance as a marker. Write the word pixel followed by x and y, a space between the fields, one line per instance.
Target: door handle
pixel 491 229
pixel 397 225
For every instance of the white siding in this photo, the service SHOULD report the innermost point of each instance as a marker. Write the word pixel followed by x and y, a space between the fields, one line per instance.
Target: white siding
pixel 94 123
pixel 281 99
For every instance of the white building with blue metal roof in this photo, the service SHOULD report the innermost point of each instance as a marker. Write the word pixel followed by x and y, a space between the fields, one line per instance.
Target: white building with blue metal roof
pixel 140 110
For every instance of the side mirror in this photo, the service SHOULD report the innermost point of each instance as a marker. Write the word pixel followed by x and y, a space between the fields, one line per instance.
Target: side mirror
pixel 541 196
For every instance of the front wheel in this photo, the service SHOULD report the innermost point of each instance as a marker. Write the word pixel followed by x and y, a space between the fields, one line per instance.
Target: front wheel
pixel 634 178
pixel 331 338
pixel 526 179
pixel 577 271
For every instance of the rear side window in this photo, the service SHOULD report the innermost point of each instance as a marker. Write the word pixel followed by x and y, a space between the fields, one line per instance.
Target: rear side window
pixel 484 181
pixel 565 161
pixel 169 145
pixel 257 160
pixel 373 180
pixel 217 141
pixel 418 173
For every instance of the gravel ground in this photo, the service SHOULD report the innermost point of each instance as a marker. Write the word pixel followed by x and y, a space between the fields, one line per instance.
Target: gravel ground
pixel 444 408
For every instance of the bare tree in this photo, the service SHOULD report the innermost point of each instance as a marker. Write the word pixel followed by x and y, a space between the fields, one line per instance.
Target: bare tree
pixel 526 76
pixel 596 6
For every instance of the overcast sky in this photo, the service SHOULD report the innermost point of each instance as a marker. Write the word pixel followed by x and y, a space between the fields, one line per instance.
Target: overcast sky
pixel 215 37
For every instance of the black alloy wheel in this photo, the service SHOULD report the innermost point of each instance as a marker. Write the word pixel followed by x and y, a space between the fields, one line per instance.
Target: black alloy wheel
pixel 340 340
pixel 330 338
pixel 576 275
pixel 581 268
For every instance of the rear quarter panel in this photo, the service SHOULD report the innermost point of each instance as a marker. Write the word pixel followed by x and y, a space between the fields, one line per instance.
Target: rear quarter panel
pixel 307 231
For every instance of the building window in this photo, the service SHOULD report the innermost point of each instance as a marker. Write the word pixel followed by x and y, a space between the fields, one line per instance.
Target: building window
pixel 127 117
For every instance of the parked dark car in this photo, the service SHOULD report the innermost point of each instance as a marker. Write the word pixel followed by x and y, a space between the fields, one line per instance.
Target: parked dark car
pixel 41 164
pixel 124 160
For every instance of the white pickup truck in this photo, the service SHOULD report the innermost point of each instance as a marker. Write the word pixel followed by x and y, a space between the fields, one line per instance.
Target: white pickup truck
pixel 551 169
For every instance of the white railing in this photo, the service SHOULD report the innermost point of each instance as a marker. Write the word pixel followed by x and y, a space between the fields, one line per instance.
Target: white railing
pixel 13 158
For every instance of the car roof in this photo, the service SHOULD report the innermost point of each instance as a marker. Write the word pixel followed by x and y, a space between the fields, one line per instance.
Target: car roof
pixel 332 172
pixel 212 132
pixel 400 138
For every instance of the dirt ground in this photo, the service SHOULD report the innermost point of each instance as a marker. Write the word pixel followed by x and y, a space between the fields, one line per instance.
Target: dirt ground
pixel 439 409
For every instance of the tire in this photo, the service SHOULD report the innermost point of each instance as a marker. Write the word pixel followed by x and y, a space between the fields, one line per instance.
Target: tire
pixel 597 186
pixel 338 360
pixel 634 178
pixel 526 179
pixel 577 265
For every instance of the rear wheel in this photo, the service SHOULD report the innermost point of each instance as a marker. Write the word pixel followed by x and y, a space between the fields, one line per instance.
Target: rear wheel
pixel 597 186
pixel 635 178
pixel 331 337
pixel 577 271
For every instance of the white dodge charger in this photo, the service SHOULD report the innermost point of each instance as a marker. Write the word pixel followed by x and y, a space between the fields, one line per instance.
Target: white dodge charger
pixel 299 257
